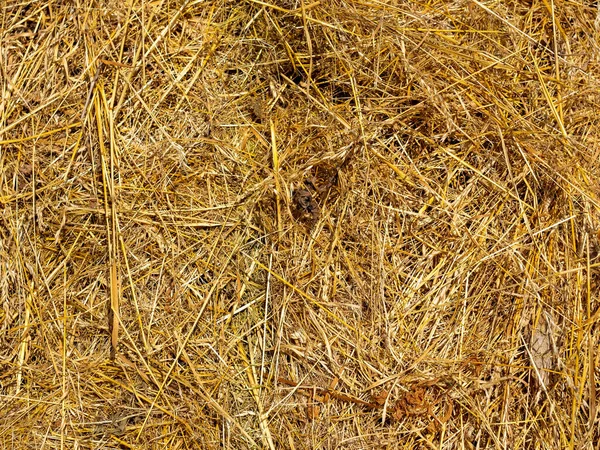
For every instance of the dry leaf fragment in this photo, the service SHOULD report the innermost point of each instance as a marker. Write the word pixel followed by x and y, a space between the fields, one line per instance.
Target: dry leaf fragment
pixel 379 399
pixel 26 170
pixel 541 350
pixel 306 208
pixel 413 403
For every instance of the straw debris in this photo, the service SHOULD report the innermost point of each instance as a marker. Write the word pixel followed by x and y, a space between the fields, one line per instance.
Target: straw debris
pixel 297 224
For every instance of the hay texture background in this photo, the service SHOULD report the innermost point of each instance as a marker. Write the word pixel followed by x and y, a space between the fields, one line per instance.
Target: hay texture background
pixel 299 225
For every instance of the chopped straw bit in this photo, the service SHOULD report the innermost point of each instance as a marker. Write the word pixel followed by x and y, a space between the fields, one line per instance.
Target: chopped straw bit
pixel 296 224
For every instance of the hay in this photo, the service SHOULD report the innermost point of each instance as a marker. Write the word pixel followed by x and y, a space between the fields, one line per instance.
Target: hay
pixel 288 224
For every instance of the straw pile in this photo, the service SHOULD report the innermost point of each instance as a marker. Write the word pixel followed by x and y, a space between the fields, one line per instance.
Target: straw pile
pixel 295 224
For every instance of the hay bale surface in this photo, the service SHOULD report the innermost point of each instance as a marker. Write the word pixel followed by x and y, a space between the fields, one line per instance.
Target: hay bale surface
pixel 295 224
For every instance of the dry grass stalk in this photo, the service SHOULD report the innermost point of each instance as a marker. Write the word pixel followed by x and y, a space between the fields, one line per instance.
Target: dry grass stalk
pixel 328 224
